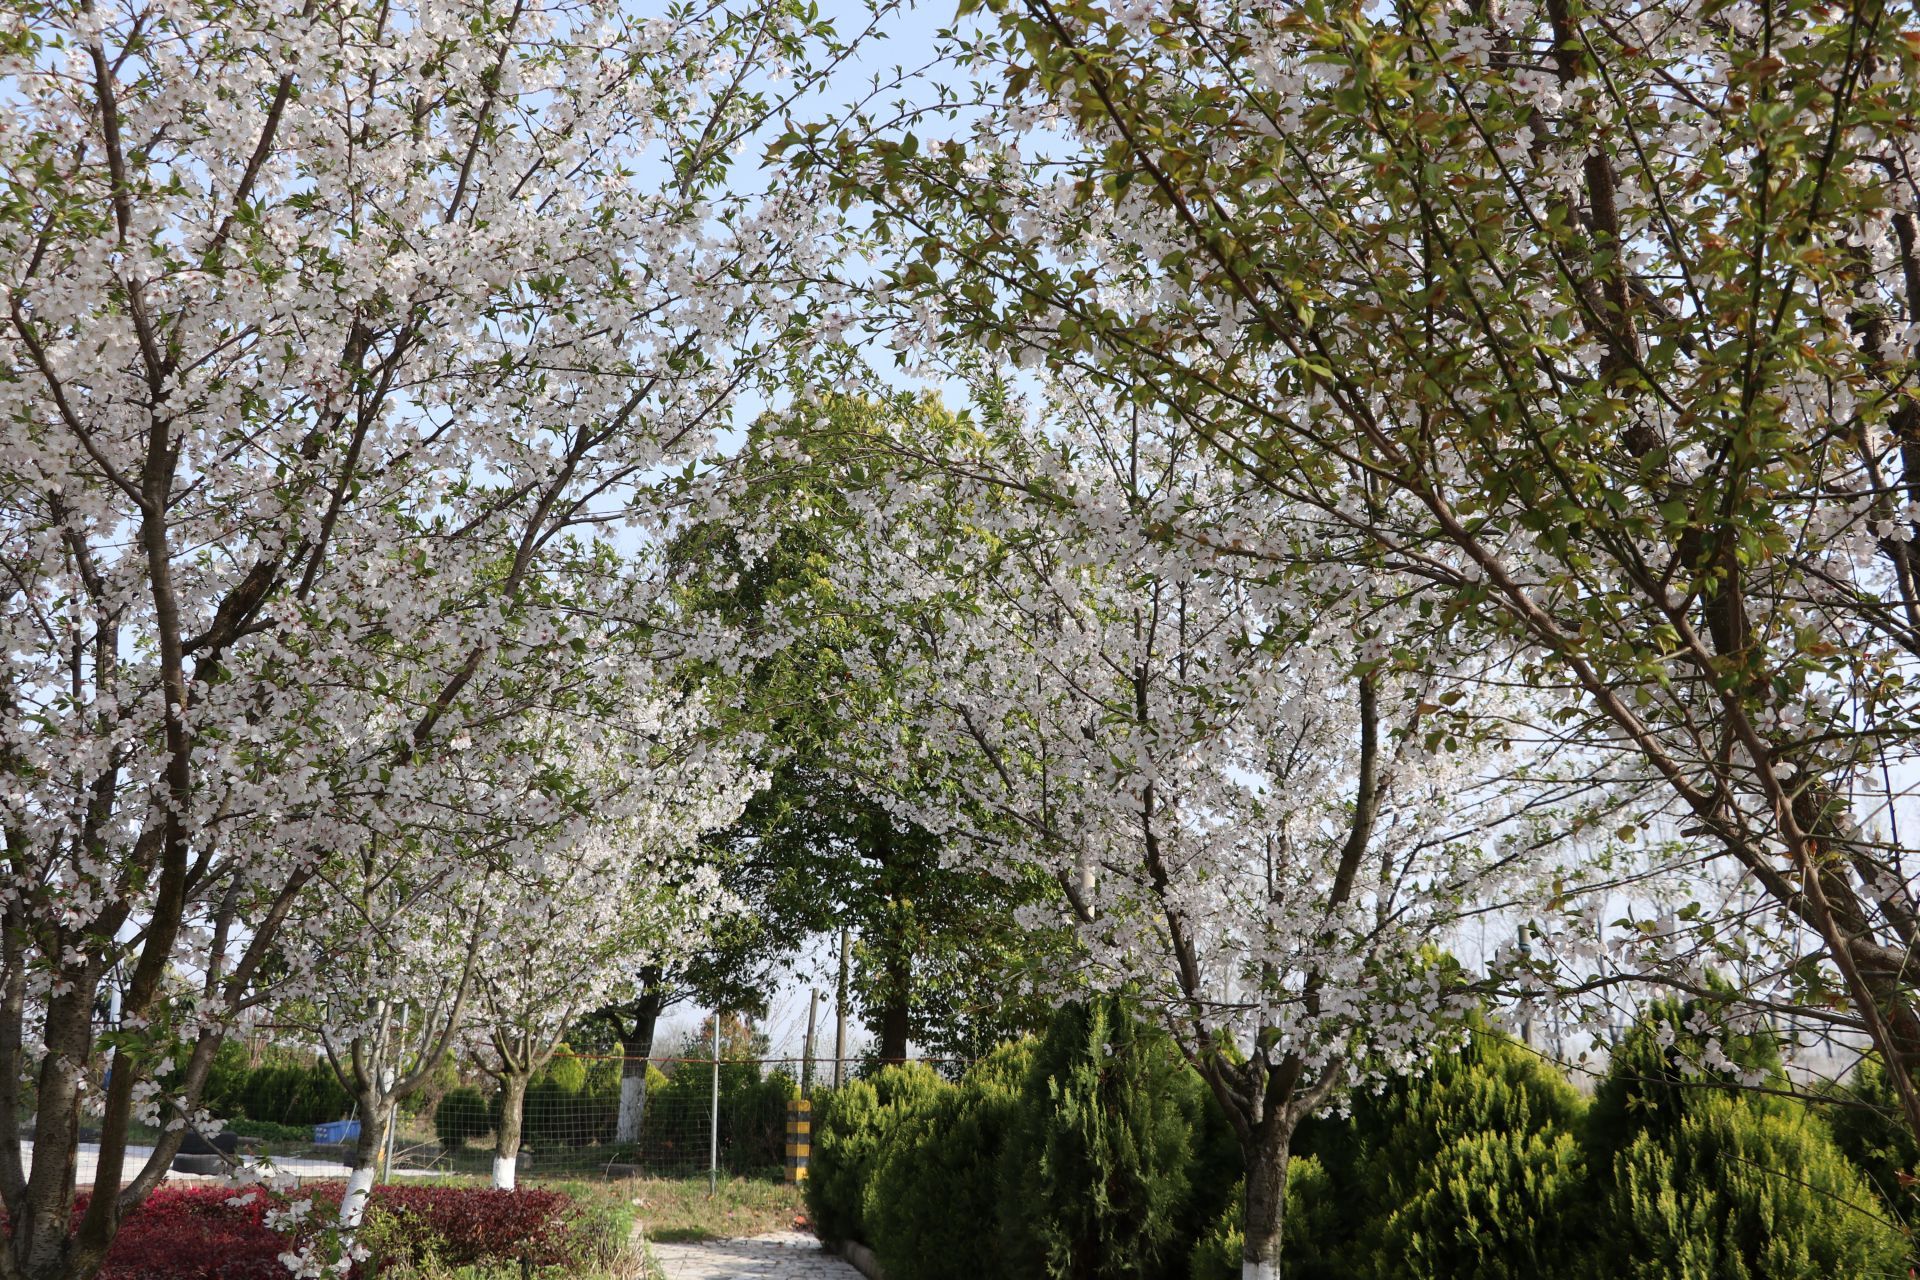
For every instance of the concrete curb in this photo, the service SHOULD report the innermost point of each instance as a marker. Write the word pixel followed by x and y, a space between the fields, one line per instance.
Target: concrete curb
pixel 861 1257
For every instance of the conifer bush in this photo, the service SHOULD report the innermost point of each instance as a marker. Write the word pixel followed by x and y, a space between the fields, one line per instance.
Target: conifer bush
pixel 461 1116
pixel 1473 1168
pixel 1673 1057
pixel 1096 1171
pixel 937 1184
pixel 1304 1249
pixel 1864 1117
pixel 852 1128
pixel 1740 1191
pixel 1491 1204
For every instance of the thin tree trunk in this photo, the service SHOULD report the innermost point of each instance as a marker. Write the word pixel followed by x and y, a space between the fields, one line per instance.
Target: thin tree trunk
pixel 896 950
pixel 506 1141
pixel 893 1016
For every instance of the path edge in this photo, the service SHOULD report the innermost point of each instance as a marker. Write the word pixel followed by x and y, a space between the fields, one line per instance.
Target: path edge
pixel 861 1257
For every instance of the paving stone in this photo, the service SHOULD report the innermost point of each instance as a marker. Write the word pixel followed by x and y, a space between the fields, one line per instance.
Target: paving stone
pixel 787 1255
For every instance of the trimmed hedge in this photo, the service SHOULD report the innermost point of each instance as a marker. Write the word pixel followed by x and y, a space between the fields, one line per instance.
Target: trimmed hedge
pixel 461 1116
pixel 217 1233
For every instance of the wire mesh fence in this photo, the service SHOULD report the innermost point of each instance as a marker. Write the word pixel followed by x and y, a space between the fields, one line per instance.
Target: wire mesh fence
pixel 686 1119
pixel 581 1116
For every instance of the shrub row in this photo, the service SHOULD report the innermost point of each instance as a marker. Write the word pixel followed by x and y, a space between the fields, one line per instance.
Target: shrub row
pixel 215 1233
pixel 575 1102
pixel 288 1092
pixel 1096 1154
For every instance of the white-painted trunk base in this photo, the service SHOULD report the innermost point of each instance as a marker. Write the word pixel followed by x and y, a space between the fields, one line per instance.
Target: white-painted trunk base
pixel 353 1205
pixel 1258 1270
pixel 633 1105
pixel 503 1173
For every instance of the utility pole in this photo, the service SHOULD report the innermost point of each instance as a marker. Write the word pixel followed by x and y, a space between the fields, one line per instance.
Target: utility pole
pixel 806 1061
pixel 840 1015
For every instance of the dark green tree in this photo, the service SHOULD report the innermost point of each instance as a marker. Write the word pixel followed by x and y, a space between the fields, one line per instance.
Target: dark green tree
pixel 1864 1116
pixel 1096 1174
pixel 938 959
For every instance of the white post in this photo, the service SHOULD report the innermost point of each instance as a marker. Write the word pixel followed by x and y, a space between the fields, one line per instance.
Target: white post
pixel 713 1148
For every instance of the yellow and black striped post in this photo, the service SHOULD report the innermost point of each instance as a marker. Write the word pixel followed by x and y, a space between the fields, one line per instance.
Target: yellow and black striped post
pixel 799 1138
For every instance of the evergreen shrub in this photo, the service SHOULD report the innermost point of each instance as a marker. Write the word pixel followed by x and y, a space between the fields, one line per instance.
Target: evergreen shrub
pixel 1096 1169
pixel 935 1188
pixel 1743 1192
pixel 461 1116
pixel 1475 1168
pixel 852 1127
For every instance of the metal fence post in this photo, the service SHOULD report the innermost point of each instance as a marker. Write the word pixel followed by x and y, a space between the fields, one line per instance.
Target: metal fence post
pixel 713 1156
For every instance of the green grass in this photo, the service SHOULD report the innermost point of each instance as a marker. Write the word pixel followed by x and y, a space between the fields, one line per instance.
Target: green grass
pixel 679 1209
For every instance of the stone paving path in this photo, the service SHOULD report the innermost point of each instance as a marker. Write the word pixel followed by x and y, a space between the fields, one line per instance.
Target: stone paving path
pixel 787 1255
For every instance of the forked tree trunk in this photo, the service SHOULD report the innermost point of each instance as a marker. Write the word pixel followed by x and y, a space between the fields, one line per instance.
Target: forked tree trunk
pixel 506 1138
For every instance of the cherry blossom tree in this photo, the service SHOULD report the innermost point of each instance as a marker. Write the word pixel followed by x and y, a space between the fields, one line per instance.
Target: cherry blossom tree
pixel 1256 808
pixel 338 340
pixel 1597 316
pixel 576 931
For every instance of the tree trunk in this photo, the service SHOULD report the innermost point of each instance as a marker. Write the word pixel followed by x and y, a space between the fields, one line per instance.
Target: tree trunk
pixel 376 1113
pixel 1266 1151
pixel 893 1016
pixel 41 1231
pixel 635 1050
pixel 506 1140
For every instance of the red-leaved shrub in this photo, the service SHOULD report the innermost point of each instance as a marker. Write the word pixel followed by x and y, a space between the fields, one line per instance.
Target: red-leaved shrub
pixel 462 1225
pixel 192 1233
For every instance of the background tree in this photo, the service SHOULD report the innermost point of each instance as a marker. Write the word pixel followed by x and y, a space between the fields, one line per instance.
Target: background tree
pixel 630 895
pixel 939 960
pixel 1250 816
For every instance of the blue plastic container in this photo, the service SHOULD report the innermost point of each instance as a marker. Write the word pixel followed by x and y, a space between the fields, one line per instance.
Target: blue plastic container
pixel 337 1132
